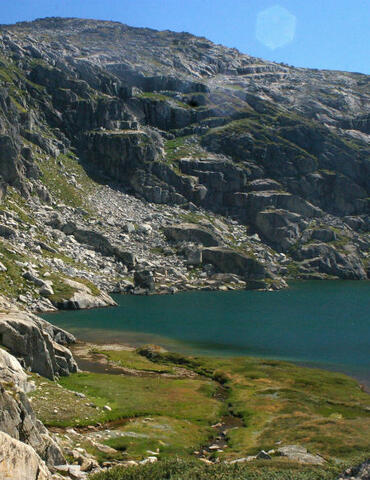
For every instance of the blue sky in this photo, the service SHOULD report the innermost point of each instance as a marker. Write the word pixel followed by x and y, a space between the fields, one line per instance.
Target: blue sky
pixel 333 34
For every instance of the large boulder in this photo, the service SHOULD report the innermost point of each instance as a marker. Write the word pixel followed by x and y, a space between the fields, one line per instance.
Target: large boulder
pixel 191 232
pixel 20 461
pixel 327 259
pixel 144 279
pixel 280 228
pixel 39 345
pixel 82 298
pixel 227 260
pixel 96 240
pixel 260 200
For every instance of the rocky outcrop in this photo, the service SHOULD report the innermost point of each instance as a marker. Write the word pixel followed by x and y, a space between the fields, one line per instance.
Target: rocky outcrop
pixel 11 372
pixel 20 461
pixel 17 418
pixel 189 232
pixel 144 279
pixel 95 239
pixel 280 228
pixel 227 260
pixel 360 472
pixel 123 151
pixel 82 297
pixel 179 121
pixel 40 345
pixel 325 258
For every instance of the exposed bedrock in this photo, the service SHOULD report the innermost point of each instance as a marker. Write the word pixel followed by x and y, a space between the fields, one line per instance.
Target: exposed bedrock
pixel 227 260
pixel 17 418
pixel 20 461
pixel 39 345
pixel 177 120
pixel 188 232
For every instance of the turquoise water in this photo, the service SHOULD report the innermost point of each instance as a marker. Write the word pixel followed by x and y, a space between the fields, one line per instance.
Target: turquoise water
pixel 319 323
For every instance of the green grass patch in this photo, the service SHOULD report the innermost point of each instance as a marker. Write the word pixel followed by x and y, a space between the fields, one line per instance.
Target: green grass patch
pixel 130 359
pixel 12 282
pixel 182 147
pixel 71 410
pixel 141 396
pixel 166 435
pixel 55 180
pixel 278 403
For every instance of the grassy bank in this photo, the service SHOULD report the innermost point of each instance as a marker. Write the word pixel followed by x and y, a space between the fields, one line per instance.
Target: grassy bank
pixel 174 405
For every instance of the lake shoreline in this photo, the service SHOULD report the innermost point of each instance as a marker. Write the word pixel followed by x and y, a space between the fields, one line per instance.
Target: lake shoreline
pixel 322 325
pixel 91 362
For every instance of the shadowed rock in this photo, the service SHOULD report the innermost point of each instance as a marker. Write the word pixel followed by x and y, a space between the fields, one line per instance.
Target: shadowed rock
pixel 190 232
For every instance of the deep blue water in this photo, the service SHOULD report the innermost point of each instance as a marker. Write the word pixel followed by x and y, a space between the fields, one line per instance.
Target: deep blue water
pixel 320 323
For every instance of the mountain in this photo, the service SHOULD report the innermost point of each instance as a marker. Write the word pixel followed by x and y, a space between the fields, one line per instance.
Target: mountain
pixel 133 160
pixel 137 161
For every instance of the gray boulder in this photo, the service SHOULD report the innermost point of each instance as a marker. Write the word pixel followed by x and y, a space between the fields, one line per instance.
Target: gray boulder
pixel 299 454
pixel 279 227
pixel 96 240
pixel 193 255
pixel 83 298
pixel 327 259
pixel 127 258
pixel 7 232
pixel 37 343
pixel 227 260
pixel 11 372
pixel 144 279
pixel 324 235
pixel 191 232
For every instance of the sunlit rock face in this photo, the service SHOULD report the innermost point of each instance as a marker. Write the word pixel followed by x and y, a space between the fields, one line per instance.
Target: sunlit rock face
pixel 20 461
pixel 177 120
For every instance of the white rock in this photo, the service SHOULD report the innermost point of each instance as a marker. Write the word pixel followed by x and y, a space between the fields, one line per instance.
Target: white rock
pixel 148 460
pixel 20 461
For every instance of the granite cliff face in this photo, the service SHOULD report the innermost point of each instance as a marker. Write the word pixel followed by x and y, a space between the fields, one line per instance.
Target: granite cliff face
pixel 272 159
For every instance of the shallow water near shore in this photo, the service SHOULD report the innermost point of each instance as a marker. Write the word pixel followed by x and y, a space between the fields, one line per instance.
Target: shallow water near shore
pixel 325 324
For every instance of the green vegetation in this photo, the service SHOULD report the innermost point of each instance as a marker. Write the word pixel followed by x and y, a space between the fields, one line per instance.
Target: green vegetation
pixel 274 402
pixel 182 147
pixel 12 283
pixel 130 359
pixel 59 185
pixel 17 204
pixel 130 396
pixel 166 435
pixel 193 470
pixel 59 407
pixel 159 97
pixel 62 291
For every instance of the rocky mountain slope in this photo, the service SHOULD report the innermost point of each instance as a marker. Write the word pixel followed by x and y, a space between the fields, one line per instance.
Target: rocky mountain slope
pixel 111 136
pixel 140 161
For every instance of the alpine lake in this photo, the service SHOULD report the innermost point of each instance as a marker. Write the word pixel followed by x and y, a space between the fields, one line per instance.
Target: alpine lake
pixel 323 324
